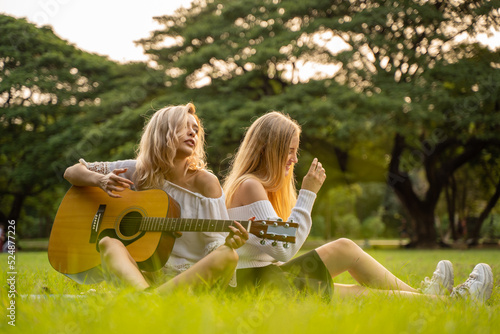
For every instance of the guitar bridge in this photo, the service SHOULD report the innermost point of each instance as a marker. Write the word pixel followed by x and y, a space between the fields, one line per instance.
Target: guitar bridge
pixel 96 223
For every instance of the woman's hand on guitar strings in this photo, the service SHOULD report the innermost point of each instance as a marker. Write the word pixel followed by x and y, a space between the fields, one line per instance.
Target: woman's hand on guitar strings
pixel 237 237
pixel 113 182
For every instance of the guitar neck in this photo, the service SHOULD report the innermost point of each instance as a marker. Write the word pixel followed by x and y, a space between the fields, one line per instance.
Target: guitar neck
pixel 158 224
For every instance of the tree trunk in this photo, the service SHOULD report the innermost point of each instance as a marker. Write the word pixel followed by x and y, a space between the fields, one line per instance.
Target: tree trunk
pixel 422 221
pixel 437 171
pixel 17 205
pixel 421 212
pixel 474 235
pixel 425 231
pixel 450 203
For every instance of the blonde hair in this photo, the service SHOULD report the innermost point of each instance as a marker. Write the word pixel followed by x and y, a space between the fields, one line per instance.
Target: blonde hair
pixel 263 155
pixel 159 142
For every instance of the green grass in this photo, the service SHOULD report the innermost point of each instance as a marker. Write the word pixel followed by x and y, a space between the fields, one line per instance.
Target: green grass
pixel 112 310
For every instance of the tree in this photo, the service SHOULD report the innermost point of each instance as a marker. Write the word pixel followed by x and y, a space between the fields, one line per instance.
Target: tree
pixel 471 194
pixel 242 58
pixel 53 97
pixel 46 84
pixel 410 71
pixel 457 139
pixel 410 51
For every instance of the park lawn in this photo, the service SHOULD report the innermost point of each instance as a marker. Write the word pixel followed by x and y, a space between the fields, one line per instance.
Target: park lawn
pixel 48 302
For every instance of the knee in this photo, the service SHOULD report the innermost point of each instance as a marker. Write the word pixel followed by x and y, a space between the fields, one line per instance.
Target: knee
pixel 342 247
pixel 108 244
pixel 345 243
pixel 230 257
pixel 227 260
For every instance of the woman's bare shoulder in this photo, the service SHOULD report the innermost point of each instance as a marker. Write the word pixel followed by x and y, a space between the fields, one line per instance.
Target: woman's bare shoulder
pixel 251 190
pixel 207 184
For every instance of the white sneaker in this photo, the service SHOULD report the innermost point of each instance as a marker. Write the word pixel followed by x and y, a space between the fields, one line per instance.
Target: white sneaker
pixel 441 282
pixel 478 286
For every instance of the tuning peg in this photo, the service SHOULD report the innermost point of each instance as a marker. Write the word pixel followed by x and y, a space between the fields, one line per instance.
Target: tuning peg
pixel 286 245
pixel 262 232
pixel 274 243
pixel 275 224
pixel 287 225
pixel 291 220
pixel 263 242
pixel 279 220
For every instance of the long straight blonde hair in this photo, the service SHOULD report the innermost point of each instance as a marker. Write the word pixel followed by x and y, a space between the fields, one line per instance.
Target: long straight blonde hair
pixel 263 155
pixel 159 142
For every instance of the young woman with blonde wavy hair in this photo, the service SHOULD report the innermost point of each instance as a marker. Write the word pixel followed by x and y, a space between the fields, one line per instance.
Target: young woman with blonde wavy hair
pixel 261 184
pixel 171 157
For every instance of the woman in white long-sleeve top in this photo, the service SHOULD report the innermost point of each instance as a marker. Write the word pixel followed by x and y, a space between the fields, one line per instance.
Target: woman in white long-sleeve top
pixel 261 184
pixel 170 157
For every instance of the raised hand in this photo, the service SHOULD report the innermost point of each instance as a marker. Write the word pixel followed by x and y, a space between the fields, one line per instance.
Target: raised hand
pixel 237 237
pixel 315 177
pixel 113 182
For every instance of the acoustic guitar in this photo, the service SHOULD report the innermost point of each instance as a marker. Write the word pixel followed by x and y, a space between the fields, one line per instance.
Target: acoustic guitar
pixel 142 220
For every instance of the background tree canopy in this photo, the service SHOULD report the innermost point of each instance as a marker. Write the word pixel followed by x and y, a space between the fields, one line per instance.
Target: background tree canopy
pixel 396 98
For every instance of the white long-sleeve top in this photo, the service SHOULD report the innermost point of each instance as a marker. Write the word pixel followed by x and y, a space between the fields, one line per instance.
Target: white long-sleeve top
pixel 191 246
pixel 253 254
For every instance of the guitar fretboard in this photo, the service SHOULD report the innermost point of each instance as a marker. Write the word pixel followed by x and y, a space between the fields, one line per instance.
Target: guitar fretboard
pixel 158 224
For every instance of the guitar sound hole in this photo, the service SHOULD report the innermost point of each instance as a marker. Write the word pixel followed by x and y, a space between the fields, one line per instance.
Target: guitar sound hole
pixel 130 224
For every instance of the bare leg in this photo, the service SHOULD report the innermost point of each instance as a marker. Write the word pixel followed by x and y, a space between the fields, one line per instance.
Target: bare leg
pixel 349 290
pixel 119 264
pixel 220 264
pixel 344 255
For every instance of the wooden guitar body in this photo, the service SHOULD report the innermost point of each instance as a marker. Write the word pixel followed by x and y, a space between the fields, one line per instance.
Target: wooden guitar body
pixel 87 214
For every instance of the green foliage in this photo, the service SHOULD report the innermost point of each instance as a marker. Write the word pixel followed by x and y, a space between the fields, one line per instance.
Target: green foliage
pixel 372 227
pixel 59 104
pixel 336 208
pixel 47 86
pixel 408 100
pixel 347 224
pixel 405 79
pixel 370 199
pixel 491 228
pixel 356 211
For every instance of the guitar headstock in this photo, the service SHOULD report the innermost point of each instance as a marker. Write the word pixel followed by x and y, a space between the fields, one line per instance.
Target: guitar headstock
pixel 274 230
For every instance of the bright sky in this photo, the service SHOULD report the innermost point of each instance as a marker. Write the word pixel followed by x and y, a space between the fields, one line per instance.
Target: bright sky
pixel 106 27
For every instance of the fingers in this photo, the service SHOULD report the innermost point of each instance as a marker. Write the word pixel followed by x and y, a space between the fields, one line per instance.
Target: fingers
pixel 110 189
pixel 238 233
pixel 231 243
pixel 120 180
pixel 115 188
pixel 314 165
pixel 315 177
pixel 112 182
pixel 316 170
pixel 237 236
pixel 320 170
pixel 112 194
pixel 242 232
pixel 119 171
